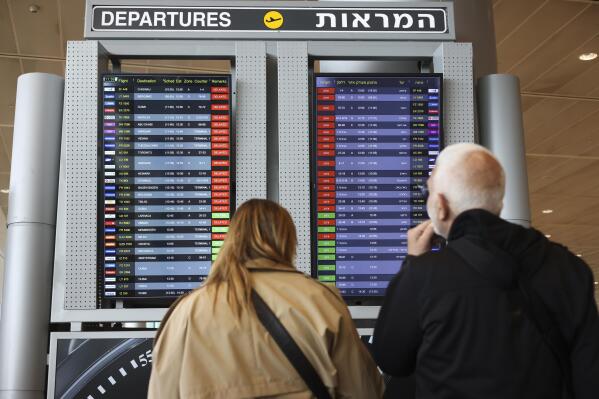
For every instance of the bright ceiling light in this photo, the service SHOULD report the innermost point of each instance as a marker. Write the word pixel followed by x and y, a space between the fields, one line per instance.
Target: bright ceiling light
pixel 587 56
pixel 596 282
pixel 547 211
pixel 548 235
pixel 4 191
pixel 579 255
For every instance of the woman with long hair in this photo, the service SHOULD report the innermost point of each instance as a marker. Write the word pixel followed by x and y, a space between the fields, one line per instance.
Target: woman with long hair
pixel 211 343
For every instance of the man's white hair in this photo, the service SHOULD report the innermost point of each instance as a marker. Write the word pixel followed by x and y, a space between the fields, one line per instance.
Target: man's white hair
pixel 470 177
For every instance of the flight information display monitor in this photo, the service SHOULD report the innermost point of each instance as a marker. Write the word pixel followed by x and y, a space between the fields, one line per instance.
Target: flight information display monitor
pixel 166 183
pixel 375 139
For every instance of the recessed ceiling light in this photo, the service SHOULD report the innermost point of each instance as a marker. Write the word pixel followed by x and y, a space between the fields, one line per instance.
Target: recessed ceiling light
pixel 4 191
pixel 34 8
pixel 548 235
pixel 596 282
pixel 587 56
pixel 547 211
pixel 579 255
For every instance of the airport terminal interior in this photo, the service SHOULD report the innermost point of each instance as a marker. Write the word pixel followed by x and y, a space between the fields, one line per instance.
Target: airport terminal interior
pixel 144 124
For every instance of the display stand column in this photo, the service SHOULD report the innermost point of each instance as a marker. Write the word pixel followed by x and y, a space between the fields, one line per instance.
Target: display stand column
pixel 502 132
pixel 30 237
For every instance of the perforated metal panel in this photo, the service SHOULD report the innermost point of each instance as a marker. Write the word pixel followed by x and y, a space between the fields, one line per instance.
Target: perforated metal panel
pixel 80 129
pixel 250 69
pixel 454 60
pixel 84 61
pixel 294 142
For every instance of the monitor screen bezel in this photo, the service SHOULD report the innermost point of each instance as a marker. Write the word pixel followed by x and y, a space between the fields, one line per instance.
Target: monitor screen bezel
pixel 151 302
pixel 352 300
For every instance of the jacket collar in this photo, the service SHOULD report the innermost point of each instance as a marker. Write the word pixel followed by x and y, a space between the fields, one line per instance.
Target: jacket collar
pixel 489 230
pixel 264 264
pixel 474 222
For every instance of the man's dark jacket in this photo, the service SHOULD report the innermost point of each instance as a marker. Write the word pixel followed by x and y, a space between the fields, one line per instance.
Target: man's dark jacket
pixel 462 337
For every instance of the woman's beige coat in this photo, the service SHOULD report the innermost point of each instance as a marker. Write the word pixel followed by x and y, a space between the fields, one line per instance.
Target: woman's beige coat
pixel 205 352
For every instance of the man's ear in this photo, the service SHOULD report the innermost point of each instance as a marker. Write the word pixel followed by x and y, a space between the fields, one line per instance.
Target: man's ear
pixel 443 211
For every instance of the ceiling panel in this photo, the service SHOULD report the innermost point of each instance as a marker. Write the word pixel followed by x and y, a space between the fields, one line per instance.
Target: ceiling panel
pixel 558 46
pixel 170 63
pixel 4 203
pixel 10 71
pixel 536 110
pixel 537 28
pixel 37 34
pixel 72 13
pixel 7 38
pixel 4 162
pixel 5 144
pixel 584 84
pixel 127 68
pixel 558 175
pixel 529 102
pixel 4 179
pixel 567 209
pixel 570 67
pixel 55 67
pixel 183 66
pixel 199 65
pixel 152 66
pixel 557 122
pixel 158 69
pixel 222 66
pixel 580 139
pixel 509 14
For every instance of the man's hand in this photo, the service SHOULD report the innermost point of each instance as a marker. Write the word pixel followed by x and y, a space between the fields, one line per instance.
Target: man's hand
pixel 420 238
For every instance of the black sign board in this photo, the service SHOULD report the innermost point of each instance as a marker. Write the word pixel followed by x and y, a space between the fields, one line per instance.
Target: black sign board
pixel 261 19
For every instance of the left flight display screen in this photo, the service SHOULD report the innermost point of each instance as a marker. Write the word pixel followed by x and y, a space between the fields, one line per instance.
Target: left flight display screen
pixel 166 183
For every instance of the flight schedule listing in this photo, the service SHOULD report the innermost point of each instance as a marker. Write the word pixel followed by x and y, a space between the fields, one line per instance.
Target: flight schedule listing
pixel 376 139
pixel 166 194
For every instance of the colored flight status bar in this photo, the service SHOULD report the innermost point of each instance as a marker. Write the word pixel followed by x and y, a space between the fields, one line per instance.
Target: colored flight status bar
pixel 166 192
pixel 377 139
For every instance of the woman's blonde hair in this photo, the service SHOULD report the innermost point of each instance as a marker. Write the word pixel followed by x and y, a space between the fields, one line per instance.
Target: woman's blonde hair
pixel 260 229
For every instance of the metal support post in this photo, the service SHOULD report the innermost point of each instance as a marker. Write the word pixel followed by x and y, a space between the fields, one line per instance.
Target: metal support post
pixel 502 132
pixel 30 238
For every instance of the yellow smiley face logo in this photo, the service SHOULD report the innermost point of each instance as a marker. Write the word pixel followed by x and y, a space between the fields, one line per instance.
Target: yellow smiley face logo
pixel 273 20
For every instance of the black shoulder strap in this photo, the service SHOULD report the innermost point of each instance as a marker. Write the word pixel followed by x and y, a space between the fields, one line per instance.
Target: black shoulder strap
pixel 486 263
pixel 289 347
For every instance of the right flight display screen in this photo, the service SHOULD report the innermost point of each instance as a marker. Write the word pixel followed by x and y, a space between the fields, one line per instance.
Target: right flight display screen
pixel 375 141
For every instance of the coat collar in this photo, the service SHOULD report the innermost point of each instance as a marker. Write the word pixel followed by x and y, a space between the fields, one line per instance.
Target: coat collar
pixel 264 264
pixel 486 228
pixel 474 222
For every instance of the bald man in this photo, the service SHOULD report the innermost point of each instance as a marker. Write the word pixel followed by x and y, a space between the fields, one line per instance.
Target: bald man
pixel 455 319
